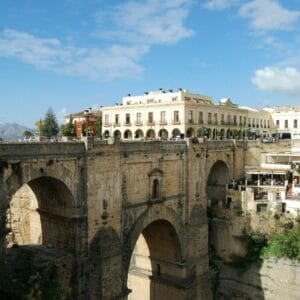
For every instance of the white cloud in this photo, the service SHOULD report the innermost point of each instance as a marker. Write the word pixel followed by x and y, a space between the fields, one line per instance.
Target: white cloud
pixel 148 22
pixel 218 4
pixel 285 80
pixel 267 15
pixel 135 25
pixel 60 115
pixel 50 54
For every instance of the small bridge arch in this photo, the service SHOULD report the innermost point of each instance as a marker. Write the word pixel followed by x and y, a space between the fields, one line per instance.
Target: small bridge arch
pixel 219 176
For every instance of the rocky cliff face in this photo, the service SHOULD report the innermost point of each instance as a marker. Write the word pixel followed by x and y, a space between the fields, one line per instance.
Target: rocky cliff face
pixel 271 280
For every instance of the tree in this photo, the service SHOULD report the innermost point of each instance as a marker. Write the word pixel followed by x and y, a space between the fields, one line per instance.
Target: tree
pixel 99 126
pixel 39 125
pixel 68 129
pixel 27 133
pixel 49 127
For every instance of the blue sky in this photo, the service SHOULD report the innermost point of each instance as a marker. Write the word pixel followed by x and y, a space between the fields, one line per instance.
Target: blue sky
pixel 75 54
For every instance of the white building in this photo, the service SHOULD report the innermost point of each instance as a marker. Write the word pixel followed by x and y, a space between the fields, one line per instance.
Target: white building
pixel 168 114
pixel 287 120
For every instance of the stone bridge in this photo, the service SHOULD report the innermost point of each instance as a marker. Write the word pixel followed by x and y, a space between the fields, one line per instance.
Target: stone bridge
pixel 132 215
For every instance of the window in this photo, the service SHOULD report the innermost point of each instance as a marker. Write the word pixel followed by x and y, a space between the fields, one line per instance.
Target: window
pixel 200 117
pixel 234 120
pixel 176 116
pixel 190 117
pixel 245 121
pixel 222 119
pixel 117 119
pixel 138 118
pixel 209 118
pixel 277 123
pixel 216 119
pixel 295 123
pixel 127 119
pixel 228 119
pixel 286 123
pixel 106 119
pixel 241 121
pixel 150 117
pixel 155 189
pixel 163 117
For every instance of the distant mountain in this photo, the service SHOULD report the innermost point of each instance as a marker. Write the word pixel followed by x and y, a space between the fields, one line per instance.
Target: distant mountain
pixel 12 131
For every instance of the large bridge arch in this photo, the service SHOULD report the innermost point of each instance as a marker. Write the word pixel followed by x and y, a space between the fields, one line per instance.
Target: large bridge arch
pixel 51 190
pixel 155 254
pixel 43 206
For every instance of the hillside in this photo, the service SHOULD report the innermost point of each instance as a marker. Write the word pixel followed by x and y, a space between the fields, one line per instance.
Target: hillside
pixel 12 131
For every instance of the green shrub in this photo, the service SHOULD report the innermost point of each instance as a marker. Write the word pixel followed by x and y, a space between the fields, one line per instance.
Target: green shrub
pixel 286 244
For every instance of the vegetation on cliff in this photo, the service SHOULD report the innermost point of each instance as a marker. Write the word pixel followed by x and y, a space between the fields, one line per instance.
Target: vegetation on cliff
pixel 284 245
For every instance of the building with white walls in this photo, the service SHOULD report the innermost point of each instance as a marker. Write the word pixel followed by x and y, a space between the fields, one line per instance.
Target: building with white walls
pixel 170 114
pixel 286 120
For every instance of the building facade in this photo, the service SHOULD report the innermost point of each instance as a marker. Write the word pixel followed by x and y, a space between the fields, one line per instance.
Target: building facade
pixel 286 120
pixel 84 122
pixel 173 114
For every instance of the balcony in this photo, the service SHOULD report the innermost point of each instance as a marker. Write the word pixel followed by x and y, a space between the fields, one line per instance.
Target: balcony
pixel 127 124
pixel 117 124
pixel 107 124
pixel 163 122
pixel 190 121
pixel 176 122
pixel 138 123
pixel 150 123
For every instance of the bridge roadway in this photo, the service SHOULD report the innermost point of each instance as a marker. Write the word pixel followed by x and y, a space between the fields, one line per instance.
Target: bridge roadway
pixel 132 214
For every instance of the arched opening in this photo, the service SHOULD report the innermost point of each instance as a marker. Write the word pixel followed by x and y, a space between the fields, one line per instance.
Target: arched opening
pixel 106 134
pixel 217 180
pixel 209 133
pixel 176 133
pixel 222 134
pixel 229 134
pixel 214 134
pixel 41 240
pixel 139 134
pixel 127 134
pixel 154 265
pixel 150 134
pixel 190 132
pixel 201 132
pixel 40 213
pixel 163 134
pixel 117 134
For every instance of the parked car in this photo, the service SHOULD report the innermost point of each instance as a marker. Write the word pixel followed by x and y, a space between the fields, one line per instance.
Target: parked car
pixel 268 139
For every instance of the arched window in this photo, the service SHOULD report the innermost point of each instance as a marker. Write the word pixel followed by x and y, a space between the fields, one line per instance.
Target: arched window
pixel 155 189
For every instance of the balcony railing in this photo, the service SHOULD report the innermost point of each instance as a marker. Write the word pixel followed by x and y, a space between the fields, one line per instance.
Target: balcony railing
pixel 150 123
pixel 163 122
pixel 127 124
pixel 138 123
pixel 117 124
pixel 107 124
pixel 177 122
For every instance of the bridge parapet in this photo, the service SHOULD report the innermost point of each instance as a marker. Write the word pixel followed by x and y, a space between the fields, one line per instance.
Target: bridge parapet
pixel 23 150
